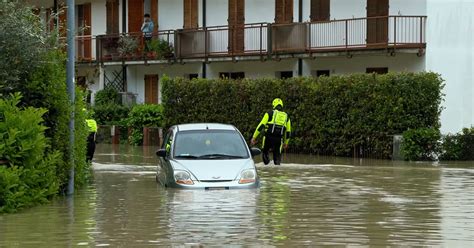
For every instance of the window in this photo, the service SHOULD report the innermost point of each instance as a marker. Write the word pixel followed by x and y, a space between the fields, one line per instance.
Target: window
pixel 232 75
pixel 193 76
pixel 320 73
pixel 285 74
pixel 209 144
pixel 378 70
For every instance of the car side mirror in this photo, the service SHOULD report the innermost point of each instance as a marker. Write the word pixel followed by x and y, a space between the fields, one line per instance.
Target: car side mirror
pixel 161 153
pixel 255 151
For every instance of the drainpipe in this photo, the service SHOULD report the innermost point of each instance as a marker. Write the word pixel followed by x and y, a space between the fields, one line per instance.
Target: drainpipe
pixel 70 87
pixel 124 30
pixel 300 19
pixel 204 65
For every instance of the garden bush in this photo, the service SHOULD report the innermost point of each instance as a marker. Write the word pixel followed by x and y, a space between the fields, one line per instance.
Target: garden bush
pixel 144 115
pixel 334 115
pixel 458 146
pixel 108 109
pixel 421 144
pixel 28 171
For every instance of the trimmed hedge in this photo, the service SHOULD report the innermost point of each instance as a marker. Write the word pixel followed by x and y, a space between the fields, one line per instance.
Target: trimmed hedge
pixel 421 144
pixel 143 115
pixel 335 115
pixel 458 146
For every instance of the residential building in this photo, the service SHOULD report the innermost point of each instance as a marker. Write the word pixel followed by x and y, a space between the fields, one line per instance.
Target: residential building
pixel 274 38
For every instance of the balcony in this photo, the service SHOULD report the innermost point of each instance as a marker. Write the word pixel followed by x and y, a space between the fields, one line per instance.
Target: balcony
pixel 265 40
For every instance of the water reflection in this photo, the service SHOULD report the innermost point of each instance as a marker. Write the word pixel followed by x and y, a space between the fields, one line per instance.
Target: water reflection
pixel 308 201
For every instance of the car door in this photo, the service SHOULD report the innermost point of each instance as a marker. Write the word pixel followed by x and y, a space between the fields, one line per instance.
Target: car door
pixel 164 168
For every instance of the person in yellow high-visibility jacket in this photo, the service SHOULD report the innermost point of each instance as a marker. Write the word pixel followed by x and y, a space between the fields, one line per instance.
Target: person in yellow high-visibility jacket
pixel 276 126
pixel 91 138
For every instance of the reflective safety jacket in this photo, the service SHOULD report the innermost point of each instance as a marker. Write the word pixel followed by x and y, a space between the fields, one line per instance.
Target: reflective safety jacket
pixel 91 125
pixel 275 123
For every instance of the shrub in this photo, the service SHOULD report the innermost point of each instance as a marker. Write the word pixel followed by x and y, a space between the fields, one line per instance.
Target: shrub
pixel 330 115
pixel 110 114
pixel 144 115
pixel 28 176
pixel 420 144
pixel 107 96
pixel 458 146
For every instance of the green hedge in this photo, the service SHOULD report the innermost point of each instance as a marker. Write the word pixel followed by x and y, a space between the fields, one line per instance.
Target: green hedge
pixel 458 146
pixel 107 109
pixel 421 144
pixel 27 173
pixel 334 115
pixel 144 115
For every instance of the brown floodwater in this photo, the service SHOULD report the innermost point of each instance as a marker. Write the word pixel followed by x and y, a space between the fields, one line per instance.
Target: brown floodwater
pixel 307 201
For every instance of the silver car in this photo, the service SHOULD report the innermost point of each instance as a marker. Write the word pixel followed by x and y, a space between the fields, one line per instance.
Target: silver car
pixel 206 156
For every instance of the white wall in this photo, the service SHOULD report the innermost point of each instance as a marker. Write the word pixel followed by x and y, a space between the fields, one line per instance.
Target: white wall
pixel 345 9
pixel 136 76
pixel 217 12
pixel 358 64
pixel 260 11
pixel 170 14
pixel 253 69
pixel 404 7
pixel 450 52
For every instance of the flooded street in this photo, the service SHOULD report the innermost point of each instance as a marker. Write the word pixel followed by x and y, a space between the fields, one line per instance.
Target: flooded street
pixel 307 201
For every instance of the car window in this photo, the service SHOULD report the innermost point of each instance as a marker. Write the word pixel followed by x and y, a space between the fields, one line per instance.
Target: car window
pixel 209 144
pixel 168 141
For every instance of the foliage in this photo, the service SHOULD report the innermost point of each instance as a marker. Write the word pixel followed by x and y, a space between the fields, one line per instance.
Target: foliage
pixel 127 45
pixel 106 96
pixel 458 146
pixel 162 48
pixel 28 175
pixel 22 38
pixel 107 108
pixel 110 114
pixel 144 115
pixel 420 144
pixel 330 115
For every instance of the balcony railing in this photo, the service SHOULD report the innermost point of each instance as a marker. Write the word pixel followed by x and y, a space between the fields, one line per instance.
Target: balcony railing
pixel 263 39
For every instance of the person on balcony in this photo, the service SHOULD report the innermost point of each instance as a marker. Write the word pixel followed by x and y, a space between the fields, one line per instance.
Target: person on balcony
pixel 147 29
pixel 277 127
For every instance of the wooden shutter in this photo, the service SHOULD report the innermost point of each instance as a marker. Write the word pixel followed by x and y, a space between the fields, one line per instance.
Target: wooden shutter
pixel 151 89
pixel 112 16
pixel 283 11
pixel 236 22
pixel 320 10
pixel 154 14
pixel 49 20
pixel 191 13
pixel 377 29
pixel 135 15
pixel 87 31
pixel 62 19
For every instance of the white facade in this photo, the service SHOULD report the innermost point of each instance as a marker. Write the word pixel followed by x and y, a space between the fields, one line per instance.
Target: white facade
pixel 449 38
pixel 450 52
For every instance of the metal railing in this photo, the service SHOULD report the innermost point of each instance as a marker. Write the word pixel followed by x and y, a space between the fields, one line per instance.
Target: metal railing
pixel 263 39
pixel 367 33
pixel 133 46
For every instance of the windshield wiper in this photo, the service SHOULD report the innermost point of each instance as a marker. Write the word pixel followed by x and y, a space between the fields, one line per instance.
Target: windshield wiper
pixel 219 155
pixel 189 156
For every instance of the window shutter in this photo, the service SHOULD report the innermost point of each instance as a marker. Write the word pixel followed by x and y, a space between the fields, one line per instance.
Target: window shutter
pixel 154 14
pixel 283 11
pixel 112 16
pixel 190 13
pixel 320 10
pixel 135 16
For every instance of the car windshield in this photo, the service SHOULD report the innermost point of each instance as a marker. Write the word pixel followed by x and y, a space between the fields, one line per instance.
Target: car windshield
pixel 210 144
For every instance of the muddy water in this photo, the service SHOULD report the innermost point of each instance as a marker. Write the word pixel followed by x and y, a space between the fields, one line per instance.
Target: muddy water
pixel 308 201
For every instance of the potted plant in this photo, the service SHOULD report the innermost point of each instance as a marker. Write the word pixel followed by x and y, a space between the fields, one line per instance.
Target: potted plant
pixel 127 46
pixel 161 49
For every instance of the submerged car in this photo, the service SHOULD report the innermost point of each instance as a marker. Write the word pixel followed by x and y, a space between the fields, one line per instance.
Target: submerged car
pixel 206 156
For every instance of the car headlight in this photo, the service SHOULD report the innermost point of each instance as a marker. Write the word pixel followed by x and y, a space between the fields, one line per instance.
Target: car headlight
pixel 248 176
pixel 183 177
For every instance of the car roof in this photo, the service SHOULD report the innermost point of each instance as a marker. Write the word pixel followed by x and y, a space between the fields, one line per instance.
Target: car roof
pixel 204 126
